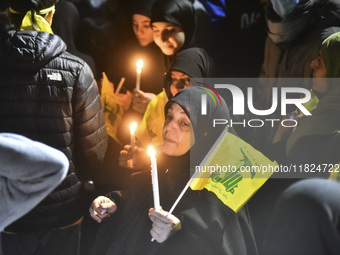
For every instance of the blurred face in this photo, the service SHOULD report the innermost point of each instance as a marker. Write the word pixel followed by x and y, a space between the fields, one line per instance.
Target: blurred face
pixel 179 82
pixel 176 132
pixel 319 71
pixel 169 37
pixel 142 29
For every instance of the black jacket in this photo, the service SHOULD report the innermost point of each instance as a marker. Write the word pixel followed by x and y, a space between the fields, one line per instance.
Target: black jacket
pixel 50 96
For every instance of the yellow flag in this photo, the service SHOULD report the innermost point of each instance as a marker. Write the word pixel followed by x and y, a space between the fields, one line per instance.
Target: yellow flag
pixel 112 111
pixel 233 170
pixel 150 129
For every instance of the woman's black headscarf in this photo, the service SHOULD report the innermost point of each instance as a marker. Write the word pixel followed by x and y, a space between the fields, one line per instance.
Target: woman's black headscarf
pixel 143 7
pixel 189 99
pixel 178 12
pixel 194 62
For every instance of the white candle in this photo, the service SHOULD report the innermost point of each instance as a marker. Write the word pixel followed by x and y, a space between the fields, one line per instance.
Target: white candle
pixel 133 127
pixel 139 65
pixel 154 177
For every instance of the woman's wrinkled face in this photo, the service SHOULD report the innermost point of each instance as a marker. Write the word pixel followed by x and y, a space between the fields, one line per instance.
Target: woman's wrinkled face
pixel 142 29
pixel 176 132
pixel 319 71
pixel 179 81
pixel 169 37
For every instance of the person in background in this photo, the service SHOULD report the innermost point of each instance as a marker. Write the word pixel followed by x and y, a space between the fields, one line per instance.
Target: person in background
pixel 65 24
pixel 174 26
pixel 238 33
pixel 295 32
pixel 136 45
pixel 306 217
pixel 305 144
pixel 50 96
pixel 188 64
pixel 5 25
pixel 29 172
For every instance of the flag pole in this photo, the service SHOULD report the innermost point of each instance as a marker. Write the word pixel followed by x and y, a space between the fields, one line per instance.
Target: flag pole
pixel 181 195
pixel 196 172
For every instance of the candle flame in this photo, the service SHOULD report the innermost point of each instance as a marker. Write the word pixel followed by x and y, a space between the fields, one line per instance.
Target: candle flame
pixel 151 151
pixel 133 127
pixel 139 65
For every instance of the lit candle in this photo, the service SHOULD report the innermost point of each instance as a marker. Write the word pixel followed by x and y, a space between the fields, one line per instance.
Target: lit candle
pixel 139 64
pixel 154 177
pixel 133 127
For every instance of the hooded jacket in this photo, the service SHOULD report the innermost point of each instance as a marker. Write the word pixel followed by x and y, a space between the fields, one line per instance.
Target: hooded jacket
pixel 50 96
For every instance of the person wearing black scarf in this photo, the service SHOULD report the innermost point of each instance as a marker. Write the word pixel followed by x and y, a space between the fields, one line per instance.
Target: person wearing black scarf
pixel 189 63
pixel 138 44
pixel 207 225
pixel 133 46
pixel 174 26
pixel 194 62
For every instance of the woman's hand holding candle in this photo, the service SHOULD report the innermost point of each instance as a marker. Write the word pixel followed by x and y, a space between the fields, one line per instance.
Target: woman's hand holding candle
pixel 164 224
pixel 140 100
pixel 126 155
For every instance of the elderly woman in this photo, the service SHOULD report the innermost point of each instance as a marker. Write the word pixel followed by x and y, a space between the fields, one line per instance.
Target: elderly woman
pixel 201 223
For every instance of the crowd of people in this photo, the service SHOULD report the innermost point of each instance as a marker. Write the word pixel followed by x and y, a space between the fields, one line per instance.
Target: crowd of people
pixel 73 182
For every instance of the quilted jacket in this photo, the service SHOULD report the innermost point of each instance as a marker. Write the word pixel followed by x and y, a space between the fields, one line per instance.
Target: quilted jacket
pixel 51 96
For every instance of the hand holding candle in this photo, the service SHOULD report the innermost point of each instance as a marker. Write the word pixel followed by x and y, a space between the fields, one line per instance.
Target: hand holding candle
pixel 139 65
pixel 154 176
pixel 133 127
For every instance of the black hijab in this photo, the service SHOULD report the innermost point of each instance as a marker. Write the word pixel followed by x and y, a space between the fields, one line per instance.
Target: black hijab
pixel 143 7
pixel 189 99
pixel 194 62
pixel 178 12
